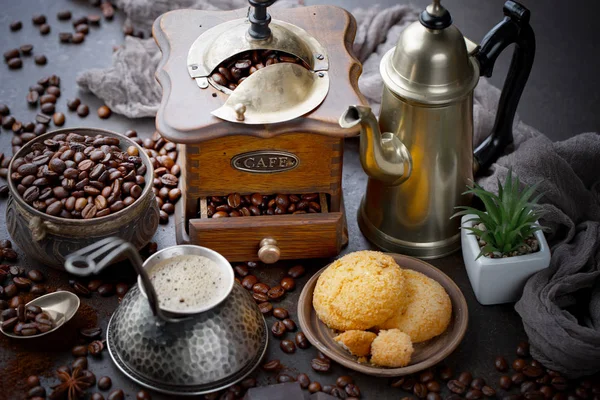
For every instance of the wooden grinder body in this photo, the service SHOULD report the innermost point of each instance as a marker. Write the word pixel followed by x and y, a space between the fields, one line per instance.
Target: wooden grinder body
pixel 209 145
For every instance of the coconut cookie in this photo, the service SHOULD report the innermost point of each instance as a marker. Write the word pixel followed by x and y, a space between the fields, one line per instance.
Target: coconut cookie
pixel 428 311
pixel 358 343
pixel 391 348
pixel 359 291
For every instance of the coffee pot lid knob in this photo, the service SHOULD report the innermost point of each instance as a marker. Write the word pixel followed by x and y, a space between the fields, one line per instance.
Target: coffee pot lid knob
pixel 435 16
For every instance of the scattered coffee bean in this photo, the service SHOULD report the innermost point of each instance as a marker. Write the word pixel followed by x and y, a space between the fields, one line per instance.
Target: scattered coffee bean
pixel 456 386
pixel 275 293
pixel 478 383
pixel 121 289
pixel 79 351
pixel 288 284
pixel 104 383
pixel 91 333
pixel 26 49
pixel 433 386
pixel 344 381
pixel 505 382
pixel 265 307
pixel 518 378
pixel 523 349
pixel 501 364
pixel 314 387
pixel 320 365
pixel 78 38
pixel 95 348
pixel 280 313
pixel 296 271
pixel 106 290
pixel 83 110
pixel 488 391
pixel 16 26
pixel 144 395
pixel 278 329
pixel 116 394
pixel 533 371
pixel 519 364
pixel 352 390
pixel 80 362
pixel 272 365
pixel 474 394
pixel 290 325
pixel 465 378
pixel 65 37
pixel 73 104
pixel 44 29
pixel 38 19
pixel 249 281
pixel 303 380
pixel 15 63
pixel 261 288
pixel 64 15
pixel 287 346
pixel 104 112
pixel 33 381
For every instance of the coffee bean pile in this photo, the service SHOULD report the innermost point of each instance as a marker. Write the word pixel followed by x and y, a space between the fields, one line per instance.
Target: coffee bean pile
pixel 236 205
pixel 163 156
pixel 81 177
pixel 236 69
pixel 14 57
pixel 27 320
pixel 6 253
pixel 104 289
pixel 344 387
pixel 16 282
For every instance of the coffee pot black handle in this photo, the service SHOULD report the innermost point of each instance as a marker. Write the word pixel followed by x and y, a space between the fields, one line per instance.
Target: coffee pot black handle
pixel 514 28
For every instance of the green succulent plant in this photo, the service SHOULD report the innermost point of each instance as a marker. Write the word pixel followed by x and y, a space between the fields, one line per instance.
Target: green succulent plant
pixel 509 217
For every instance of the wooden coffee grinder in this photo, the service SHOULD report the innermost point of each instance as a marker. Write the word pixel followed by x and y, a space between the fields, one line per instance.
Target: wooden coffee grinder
pixel 254 105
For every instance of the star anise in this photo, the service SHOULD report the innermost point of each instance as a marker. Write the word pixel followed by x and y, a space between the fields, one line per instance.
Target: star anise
pixel 72 384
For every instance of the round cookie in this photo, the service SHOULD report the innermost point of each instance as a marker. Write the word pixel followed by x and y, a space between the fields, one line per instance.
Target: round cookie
pixel 359 291
pixel 391 348
pixel 428 311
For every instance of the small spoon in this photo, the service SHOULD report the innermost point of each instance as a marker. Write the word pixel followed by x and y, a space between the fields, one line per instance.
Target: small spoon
pixel 61 306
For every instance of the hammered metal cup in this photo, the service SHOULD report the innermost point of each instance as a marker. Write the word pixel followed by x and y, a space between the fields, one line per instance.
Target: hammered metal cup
pixel 180 353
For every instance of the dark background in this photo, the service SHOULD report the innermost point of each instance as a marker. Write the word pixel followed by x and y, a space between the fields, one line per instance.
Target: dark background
pixel 561 100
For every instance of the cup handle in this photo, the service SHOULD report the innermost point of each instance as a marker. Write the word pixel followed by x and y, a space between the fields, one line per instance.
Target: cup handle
pixel 92 259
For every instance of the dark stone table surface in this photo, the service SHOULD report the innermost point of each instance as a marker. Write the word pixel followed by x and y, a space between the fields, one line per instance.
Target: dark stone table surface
pixel 493 330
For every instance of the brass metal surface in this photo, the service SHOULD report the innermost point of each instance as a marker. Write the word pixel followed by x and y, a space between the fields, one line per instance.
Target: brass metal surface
pixel 414 216
pixel 430 66
pixel 277 93
pixel 230 38
pixel 383 156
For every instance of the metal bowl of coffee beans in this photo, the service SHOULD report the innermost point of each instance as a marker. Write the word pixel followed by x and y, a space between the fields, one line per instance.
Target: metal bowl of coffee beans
pixel 73 187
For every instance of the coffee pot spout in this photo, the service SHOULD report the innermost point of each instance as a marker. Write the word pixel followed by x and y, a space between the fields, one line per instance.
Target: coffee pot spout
pixel 383 155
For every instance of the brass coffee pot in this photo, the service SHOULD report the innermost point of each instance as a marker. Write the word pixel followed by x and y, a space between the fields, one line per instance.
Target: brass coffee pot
pixel 419 157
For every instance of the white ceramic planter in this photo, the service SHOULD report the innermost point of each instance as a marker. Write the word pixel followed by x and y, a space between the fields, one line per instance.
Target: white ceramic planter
pixel 500 280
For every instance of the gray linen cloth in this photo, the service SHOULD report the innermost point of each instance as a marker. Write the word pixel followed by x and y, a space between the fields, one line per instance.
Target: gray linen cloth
pixel 560 306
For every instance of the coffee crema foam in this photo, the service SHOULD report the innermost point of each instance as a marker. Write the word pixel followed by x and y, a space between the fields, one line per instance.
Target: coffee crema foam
pixel 187 282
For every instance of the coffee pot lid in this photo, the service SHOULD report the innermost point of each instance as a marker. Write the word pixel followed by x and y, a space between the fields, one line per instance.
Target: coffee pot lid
pixel 430 62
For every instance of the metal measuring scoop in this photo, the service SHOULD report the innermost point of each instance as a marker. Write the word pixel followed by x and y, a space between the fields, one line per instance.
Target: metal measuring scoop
pixel 61 306
pixel 92 259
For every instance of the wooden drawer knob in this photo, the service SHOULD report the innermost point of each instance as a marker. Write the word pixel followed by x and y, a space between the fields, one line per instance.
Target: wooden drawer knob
pixel 268 252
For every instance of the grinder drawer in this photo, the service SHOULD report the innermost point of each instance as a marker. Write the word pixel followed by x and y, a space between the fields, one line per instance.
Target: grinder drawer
pixel 296 236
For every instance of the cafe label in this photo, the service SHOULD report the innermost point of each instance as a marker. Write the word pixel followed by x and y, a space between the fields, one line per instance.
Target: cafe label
pixel 265 161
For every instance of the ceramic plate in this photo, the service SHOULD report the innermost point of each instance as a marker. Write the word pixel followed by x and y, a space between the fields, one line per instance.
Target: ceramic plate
pixel 426 354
